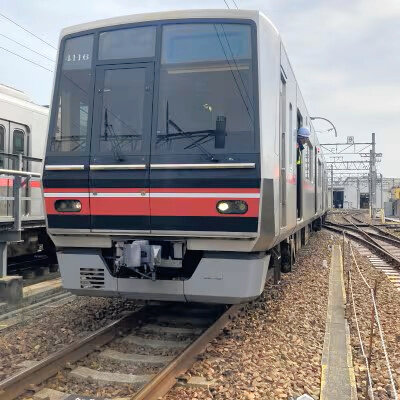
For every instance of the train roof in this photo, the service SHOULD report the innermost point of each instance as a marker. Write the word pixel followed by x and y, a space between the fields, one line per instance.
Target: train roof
pixel 20 99
pixel 13 92
pixel 254 15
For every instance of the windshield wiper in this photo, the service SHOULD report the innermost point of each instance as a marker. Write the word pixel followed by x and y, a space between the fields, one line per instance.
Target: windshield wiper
pixel 210 156
pixel 187 135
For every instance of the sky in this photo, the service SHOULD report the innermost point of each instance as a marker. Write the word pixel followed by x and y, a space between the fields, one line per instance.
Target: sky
pixel 345 55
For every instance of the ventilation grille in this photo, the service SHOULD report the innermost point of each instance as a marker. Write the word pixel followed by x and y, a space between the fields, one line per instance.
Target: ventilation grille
pixel 92 278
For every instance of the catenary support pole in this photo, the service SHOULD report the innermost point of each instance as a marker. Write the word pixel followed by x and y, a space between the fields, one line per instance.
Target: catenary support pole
pixel 373 176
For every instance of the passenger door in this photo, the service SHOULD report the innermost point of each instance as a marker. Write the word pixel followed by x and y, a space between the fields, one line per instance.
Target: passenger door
pixel 120 150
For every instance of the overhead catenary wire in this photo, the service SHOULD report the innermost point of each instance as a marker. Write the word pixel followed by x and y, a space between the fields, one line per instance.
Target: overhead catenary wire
pixel 234 2
pixel 226 4
pixel 26 59
pixel 233 75
pixel 27 47
pixel 28 31
pixel 237 68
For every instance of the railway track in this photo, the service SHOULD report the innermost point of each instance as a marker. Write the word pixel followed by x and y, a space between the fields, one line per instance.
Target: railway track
pixel 381 247
pixel 142 354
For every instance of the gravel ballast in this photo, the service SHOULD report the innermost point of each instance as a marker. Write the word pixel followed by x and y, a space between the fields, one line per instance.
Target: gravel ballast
pixel 388 304
pixel 37 338
pixel 273 349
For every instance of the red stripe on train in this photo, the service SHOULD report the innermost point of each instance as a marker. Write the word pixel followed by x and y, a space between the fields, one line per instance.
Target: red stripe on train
pixel 120 206
pixel 196 207
pixel 155 206
pixel 204 190
pixel 8 182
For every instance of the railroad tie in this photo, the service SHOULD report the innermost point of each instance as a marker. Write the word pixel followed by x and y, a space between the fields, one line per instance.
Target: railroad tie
pixel 154 343
pixel 170 330
pixel 134 358
pixel 104 377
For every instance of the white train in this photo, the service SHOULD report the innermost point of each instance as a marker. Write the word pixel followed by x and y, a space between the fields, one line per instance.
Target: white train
pixel 23 127
pixel 170 170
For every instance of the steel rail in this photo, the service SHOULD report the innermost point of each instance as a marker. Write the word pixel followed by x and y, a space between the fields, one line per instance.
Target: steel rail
pixel 377 228
pixel 371 235
pixel 20 382
pixel 166 378
pixel 355 228
pixel 382 235
pixel 365 242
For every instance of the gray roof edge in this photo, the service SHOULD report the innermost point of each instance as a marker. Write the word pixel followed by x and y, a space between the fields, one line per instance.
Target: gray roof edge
pixel 164 15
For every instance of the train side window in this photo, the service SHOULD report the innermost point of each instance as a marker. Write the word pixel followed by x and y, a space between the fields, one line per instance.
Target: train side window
pixel 299 119
pixel 311 163
pixel 306 162
pixel 18 141
pixel 2 142
pixel 18 146
pixel 299 171
pixel 319 178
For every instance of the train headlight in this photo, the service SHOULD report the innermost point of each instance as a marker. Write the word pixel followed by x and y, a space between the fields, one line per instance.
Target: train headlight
pixel 232 207
pixel 68 205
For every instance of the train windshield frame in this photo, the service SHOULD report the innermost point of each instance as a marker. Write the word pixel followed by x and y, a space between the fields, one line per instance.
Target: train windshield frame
pixel 202 78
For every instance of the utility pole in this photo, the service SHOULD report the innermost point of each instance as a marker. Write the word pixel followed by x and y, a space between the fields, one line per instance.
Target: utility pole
pixel 358 193
pixel 382 206
pixel 372 179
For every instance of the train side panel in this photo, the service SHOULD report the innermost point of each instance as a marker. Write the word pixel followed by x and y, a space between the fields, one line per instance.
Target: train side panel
pixel 20 116
pixel 268 76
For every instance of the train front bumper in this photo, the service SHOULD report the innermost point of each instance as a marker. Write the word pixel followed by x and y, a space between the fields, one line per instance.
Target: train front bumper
pixel 226 278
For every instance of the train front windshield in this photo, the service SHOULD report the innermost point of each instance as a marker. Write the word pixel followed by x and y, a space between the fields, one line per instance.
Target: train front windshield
pixel 199 79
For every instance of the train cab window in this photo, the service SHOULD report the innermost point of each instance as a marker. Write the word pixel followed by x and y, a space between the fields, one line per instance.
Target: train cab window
pixel 123 110
pixel 127 43
pixel 201 65
pixel 70 133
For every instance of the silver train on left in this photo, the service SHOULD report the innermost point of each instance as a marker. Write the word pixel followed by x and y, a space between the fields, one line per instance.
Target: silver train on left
pixel 23 126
